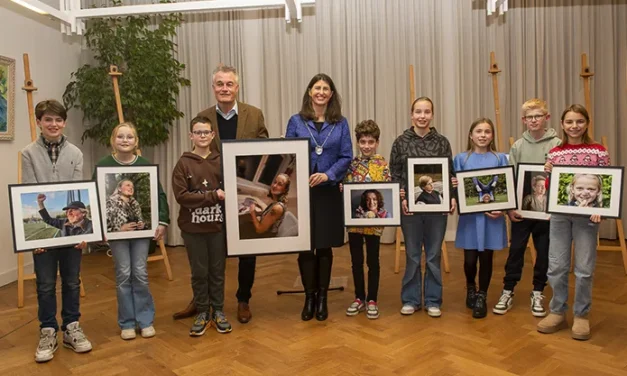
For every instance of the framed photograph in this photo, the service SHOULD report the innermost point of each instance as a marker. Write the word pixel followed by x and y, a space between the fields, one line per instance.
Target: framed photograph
pixel 266 186
pixel 129 198
pixel 531 194
pixel 428 183
pixel 486 189
pixel 372 204
pixel 7 98
pixel 54 215
pixel 586 191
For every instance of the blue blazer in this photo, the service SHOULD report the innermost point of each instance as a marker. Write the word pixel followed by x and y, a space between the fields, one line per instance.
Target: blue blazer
pixel 338 150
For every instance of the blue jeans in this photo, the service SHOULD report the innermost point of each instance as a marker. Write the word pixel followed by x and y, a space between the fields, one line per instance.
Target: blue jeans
pixel 68 262
pixel 565 229
pixel 418 230
pixel 135 304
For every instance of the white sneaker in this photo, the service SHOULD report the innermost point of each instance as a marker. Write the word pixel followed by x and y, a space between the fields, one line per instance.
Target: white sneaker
pixel 434 311
pixel 149 332
pixel 74 338
pixel 127 334
pixel 47 345
pixel 372 312
pixel 356 306
pixel 506 301
pixel 537 308
pixel 408 309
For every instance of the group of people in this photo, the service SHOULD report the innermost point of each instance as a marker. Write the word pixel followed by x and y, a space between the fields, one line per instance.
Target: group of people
pixel 197 179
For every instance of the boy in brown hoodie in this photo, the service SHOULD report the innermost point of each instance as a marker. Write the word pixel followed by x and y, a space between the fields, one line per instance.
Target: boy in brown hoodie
pixel 196 181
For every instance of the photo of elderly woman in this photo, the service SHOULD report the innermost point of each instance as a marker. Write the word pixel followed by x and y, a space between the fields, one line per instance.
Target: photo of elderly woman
pixel 535 198
pixel 428 195
pixel 370 203
pixel 127 207
pixel 267 196
pixel 123 211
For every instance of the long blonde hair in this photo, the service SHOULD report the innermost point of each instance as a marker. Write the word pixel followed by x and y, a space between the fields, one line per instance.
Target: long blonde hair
pixel 114 134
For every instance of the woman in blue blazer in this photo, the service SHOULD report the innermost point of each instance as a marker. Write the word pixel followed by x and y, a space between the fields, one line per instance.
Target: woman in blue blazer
pixel 320 119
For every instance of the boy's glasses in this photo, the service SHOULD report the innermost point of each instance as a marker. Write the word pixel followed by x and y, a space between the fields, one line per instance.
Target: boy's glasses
pixel 202 133
pixel 534 117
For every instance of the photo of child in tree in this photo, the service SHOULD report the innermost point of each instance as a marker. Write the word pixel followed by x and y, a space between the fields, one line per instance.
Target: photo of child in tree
pixel 486 189
pixel 585 190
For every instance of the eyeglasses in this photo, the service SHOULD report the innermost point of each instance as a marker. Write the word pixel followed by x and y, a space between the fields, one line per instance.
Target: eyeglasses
pixel 534 117
pixel 202 133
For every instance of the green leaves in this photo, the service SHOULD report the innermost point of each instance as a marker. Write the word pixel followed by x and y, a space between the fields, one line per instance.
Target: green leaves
pixel 149 85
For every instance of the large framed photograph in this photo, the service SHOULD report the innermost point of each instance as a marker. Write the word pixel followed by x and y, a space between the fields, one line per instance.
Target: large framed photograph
pixel 7 98
pixel 54 215
pixel 428 184
pixel 486 189
pixel 266 186
pixel 586 191
pixel 531 194
pixel 372 204
pixel 129 198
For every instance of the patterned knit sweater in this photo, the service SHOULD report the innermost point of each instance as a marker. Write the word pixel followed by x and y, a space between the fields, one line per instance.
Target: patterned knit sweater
pixel 363 169
pixel 579 155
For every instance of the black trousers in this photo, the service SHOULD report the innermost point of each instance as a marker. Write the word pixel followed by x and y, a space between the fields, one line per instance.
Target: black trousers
pixel 516 259
pixel 246 278
pixel 356 244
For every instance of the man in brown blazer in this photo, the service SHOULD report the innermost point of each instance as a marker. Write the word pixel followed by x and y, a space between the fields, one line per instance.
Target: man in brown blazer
pixel 233 120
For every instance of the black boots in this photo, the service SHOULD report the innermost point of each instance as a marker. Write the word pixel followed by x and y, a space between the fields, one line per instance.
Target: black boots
pixel 471 296
pixel 322 312
pixel 480 309
pixel 310 306
pixel 307 266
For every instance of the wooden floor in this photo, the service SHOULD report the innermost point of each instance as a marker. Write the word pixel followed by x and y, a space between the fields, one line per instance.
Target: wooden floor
pixel 277 342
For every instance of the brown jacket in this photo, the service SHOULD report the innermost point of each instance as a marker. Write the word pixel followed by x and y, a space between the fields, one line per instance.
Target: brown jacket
pixel 195 181
pixel 250 123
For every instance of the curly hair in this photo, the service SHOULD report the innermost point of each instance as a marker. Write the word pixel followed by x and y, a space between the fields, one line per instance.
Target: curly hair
pixel 367 128
pixel 364 197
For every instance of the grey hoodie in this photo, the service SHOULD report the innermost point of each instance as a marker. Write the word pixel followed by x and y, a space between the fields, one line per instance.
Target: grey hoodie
pixel 529 150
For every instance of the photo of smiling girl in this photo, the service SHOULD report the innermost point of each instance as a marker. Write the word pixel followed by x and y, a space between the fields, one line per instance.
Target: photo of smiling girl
pixel 585 191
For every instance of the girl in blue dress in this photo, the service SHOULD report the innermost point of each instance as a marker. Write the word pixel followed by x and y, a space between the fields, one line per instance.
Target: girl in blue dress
pixel 479 235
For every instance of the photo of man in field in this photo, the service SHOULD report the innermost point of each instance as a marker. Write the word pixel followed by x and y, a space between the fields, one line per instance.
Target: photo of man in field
pixel 57 217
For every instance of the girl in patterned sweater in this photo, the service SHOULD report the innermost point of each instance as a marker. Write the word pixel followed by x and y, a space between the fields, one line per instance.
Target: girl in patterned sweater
pixel 577 149
pixel 368 167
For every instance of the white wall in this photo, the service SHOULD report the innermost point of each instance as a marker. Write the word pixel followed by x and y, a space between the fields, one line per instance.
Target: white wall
pixel 53 57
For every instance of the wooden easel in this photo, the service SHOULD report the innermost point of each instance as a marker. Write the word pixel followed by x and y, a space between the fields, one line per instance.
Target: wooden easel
pixel 399 242
pixel 494 70
pixel 115 73
pixel 29 87
pixel 587 74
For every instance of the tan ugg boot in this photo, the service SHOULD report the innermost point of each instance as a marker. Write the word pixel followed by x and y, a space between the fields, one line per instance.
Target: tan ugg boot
pixel 581 328
pixel 552 323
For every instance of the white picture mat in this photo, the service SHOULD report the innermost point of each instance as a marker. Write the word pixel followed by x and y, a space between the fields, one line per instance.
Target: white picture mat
pixel 16 201
pixel 522 170
pixel 238 247
pixel 615 202
pixel 511 190
pixel 445 205
pixel 102 171
pixel 395 204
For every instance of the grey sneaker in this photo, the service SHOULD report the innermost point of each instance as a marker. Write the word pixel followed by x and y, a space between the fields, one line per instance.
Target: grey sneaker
pixel 372 311
pixel 506 301
pixel 74 338
pixel 200 324
pixel 537 308
pixel 356 306
pixel 221 323
pixel 47 345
